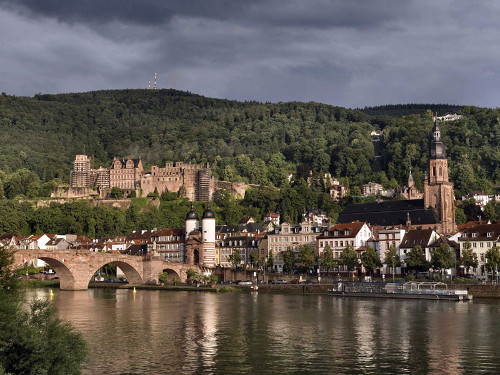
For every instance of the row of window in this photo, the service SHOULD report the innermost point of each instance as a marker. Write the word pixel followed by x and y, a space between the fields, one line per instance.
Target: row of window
pixel 336 243
pixel 276 239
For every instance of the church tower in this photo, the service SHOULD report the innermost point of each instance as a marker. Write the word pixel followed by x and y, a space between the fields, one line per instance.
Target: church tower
pixel 438 191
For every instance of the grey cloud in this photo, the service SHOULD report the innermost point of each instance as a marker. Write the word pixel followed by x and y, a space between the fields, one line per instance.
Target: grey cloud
pixel 349 53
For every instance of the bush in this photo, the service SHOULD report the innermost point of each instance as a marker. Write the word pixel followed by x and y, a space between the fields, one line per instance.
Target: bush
pixel 34 340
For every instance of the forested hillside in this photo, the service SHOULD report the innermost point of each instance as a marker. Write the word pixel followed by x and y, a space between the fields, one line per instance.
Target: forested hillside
pixel 254 142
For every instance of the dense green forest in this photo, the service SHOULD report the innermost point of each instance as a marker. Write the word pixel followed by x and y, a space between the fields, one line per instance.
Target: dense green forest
pixel 259 143
pixel 399 110
pixel 249 141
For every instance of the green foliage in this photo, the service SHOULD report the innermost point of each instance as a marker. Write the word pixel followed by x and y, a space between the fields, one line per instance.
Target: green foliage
pixel 27 269
pixel 116 193
pixel 469 257
pixel 270 260
pixel 163 278
pixel 493 259
pixel 235 257
pixel 34 340
pixel 213 278
pixel 392 258
pixel 169 196
pixel 254 257
pixel 442 257
pixel 327 260
pixel 253 142
pixel 415 259
pixel 370 259
pixel 289 260
pixel 349 258
pixel 306 257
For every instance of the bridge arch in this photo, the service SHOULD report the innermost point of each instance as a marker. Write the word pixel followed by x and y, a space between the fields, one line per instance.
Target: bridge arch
pixel 171 273
pixel 132 275
pixel 66 277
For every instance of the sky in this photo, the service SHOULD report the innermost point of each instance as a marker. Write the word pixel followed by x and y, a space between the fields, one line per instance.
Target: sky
pixel 346 53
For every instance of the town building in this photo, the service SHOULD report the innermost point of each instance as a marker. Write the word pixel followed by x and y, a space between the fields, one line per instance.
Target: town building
pixel 375 189
pixel 273 218
pixel 338 237
pixel 481 198
pixel 409 191
pixel 447 117
pixel 481 238
pixel 418 237
pixel 168 243
pixel 317 217
pixel 290 236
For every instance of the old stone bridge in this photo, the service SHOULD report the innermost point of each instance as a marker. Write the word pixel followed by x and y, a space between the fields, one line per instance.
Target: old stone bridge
pixel 75 268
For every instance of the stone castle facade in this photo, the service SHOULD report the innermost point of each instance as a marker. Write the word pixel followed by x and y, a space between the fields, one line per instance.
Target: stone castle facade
pixel 193 180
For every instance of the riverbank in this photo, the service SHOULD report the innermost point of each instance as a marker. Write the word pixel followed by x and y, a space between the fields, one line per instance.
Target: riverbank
pixel 476 290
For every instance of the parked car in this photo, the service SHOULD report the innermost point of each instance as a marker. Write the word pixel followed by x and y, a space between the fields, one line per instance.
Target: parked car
pixel 281 281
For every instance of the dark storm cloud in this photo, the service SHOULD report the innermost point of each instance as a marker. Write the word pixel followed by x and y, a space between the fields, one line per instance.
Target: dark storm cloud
pixel 308 14
pixel 350 53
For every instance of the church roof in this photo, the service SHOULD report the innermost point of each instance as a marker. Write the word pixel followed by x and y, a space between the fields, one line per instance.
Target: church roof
pixel 389 213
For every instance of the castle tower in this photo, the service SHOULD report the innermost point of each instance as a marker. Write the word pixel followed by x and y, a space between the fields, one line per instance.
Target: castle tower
pixel 207 256
pixel 438 191
pixel 192 221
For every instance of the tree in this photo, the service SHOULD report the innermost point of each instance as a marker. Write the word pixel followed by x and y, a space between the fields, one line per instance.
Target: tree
pixel 327 260
pixel 442 257
pixel 392 258
pixel 306 256
pixel 289 260
pixel 163 278
pixel 493 259
pixel 415 259
pixel 270 260
pixel 469 257
pixel 370 259
pixel 116 193
pixel 235 257
pixel 254 257
pixel 349 258
pixel 190 275
pixel 34 340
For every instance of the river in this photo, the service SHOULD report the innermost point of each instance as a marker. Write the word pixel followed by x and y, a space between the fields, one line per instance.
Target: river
pixel 164 332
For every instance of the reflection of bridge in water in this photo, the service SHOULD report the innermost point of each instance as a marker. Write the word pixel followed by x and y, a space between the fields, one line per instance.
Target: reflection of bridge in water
pixel 75 268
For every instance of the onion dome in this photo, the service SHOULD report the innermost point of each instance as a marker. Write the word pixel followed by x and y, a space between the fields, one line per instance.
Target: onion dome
pixel 208 213
pixel 192 215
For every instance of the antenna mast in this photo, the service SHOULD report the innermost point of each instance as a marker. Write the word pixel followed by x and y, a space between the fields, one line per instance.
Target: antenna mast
pixel 155 80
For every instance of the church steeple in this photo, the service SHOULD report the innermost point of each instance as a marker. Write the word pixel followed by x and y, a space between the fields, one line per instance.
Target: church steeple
pixel 410 180
pixel 438 190
pixel 438 149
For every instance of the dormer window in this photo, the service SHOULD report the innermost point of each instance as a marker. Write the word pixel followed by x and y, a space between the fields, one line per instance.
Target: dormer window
pixel 474 234
pixel 489 234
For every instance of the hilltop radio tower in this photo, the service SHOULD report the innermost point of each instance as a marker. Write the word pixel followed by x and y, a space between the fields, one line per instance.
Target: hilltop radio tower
pixel 155 80
pixel 149 83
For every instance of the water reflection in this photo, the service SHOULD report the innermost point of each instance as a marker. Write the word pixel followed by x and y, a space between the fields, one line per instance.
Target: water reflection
pixel 158 332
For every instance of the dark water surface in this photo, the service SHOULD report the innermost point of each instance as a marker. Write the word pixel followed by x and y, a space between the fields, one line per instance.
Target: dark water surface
pixel 161 332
